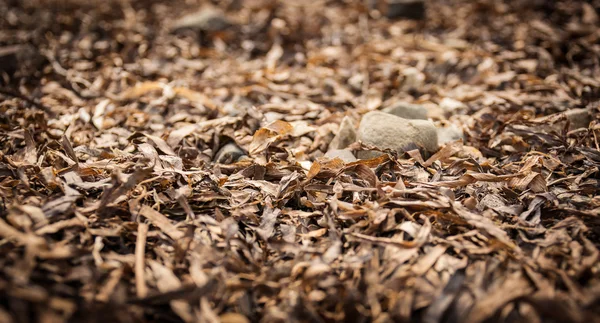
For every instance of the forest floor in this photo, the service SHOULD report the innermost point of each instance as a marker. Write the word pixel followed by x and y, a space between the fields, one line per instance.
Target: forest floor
pixel 114 206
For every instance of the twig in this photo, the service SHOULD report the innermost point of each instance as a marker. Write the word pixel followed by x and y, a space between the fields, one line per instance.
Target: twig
pixel 140 247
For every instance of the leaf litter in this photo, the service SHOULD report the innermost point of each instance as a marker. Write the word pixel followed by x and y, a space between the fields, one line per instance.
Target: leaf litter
pixel 113 207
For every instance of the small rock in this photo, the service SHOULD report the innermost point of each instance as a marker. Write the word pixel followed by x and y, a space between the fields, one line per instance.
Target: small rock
pixel 434 112
pixel 410 9
pixel 230 153
pixel 206 19
pixel 407 111
pixel 356 82
pixel 579 118
pixel 449 134
pixel 346 135
pixel 412 79
pixel 451 106
pixel 491 201
pixel 237 106
pixel 345 155
pixel 387 131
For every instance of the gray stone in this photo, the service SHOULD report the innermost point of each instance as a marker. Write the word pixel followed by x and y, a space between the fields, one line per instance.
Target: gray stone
pixel 407 111
pixel 229 153
pixel 346 135
pixel 237 106
pixel 451 106
pixel 206 19
pixel 491 201
pixel 345 155
pixel 449 134
pixel 356 82
pixel 579 118
pixel 387 131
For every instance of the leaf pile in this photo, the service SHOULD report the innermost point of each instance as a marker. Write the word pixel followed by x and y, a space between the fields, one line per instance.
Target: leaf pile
pixel 113 209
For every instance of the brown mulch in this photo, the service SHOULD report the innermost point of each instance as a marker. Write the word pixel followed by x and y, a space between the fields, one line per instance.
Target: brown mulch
pixel 113 210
